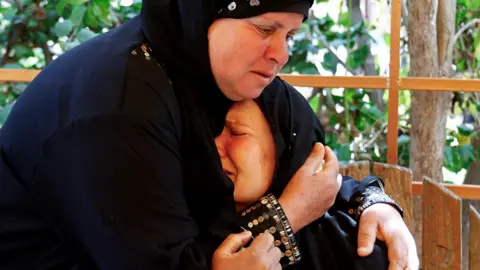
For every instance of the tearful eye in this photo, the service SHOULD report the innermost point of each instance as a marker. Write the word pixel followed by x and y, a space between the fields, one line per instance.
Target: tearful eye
pixel 236 133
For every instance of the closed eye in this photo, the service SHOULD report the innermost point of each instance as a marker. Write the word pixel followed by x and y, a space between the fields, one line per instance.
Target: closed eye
pixel 264 31
pixel 236 133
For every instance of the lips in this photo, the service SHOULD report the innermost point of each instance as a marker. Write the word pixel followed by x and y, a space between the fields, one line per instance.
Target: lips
pixel 229 174
pixel 265 75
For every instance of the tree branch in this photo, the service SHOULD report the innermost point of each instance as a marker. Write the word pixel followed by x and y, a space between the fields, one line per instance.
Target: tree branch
pixel 460 32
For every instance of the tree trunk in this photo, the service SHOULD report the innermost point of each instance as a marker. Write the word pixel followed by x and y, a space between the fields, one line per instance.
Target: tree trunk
pixel 369 69
pixel 431 26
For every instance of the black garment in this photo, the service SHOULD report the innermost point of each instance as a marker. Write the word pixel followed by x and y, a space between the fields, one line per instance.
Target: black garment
pixel 330 242
pixel 103 164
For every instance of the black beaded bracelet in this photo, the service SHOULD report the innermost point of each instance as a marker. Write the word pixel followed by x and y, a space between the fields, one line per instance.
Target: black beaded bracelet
pixel 268 216
pixel 369 197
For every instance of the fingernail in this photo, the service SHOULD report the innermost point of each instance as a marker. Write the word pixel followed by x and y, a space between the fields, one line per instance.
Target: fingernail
pixel 362 250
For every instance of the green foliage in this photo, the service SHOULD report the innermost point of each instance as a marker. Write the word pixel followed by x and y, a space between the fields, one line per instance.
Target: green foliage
pixel 33 33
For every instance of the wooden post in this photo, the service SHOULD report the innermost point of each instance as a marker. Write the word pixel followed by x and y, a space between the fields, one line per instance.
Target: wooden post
pixel 474 252
pixel 442 227
pixel 357 170
pixel 392 134
pixel 398 185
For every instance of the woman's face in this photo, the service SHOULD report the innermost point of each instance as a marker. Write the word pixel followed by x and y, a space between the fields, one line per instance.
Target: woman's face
pixel 247 54
pixel 247 152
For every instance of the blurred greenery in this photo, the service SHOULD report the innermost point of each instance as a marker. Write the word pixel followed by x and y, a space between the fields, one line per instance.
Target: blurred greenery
pixel 333 42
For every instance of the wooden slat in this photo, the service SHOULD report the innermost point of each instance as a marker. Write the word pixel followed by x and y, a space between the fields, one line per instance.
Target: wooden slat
pixel 474 249
pixel 18 75
pixel 442 227
pixel 357 170
pixel 371 82
pixel 398 185
pixel 440 84
pixel 471 192
pixel 392 133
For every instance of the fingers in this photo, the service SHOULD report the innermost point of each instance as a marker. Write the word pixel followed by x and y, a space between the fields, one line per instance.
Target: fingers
pixel 233 243
pixel 262 244
pixel 367 233
pixel 315 160
pixel 277 266
pixel 413 261
pixel 402 252
pixel 331 159
pixel 273 257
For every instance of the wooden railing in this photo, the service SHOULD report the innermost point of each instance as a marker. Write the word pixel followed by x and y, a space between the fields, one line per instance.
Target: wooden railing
pixel 442 215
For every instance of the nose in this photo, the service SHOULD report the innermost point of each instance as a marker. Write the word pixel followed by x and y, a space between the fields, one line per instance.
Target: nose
pixel 278 51
pixel 220 142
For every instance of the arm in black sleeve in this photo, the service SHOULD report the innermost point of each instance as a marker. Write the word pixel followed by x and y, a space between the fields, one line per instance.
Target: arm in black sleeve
pixel 113 187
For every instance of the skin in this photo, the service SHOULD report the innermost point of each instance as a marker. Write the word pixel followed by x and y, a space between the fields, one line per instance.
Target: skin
pixel 245 56
pixel 247 152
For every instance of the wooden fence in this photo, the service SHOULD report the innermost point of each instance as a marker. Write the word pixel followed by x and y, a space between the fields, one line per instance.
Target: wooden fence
pixel 442 215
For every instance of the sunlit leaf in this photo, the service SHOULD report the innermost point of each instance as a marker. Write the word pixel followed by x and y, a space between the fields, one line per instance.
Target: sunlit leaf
pixel 63 28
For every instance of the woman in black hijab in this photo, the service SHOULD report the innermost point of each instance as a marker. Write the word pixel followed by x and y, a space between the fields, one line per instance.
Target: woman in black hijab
pixel 250 158
pixel 108 158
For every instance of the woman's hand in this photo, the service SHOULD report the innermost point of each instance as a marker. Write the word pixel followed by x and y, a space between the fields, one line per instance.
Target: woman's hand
pixel 313 188
pixel 261 254
pixel 382 221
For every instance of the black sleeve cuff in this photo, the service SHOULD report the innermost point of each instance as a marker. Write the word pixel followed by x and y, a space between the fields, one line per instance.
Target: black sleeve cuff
pixel 372 193
pixel 267 216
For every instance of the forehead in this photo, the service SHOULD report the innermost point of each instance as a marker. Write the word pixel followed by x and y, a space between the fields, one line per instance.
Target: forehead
pixel 246 112
pixel 283 19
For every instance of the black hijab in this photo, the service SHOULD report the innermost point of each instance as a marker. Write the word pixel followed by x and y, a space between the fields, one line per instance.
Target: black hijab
pixel 177 32
pixel 331 241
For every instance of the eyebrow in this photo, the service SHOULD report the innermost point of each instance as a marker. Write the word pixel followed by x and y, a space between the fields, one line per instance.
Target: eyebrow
pixel 230 124
pixel 280 25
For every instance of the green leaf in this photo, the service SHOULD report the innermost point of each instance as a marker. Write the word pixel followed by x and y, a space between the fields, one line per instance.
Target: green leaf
pixel 371 113
pixel 85 34
pixel 360 123
pixel 465 130
pixel 349 94
pixel 90 18
pixel 477 52
pixel 314 103
pixel 60 7
pixel 32 23
pixel 333 120
pixel 357 57
pixel 330 62
pixel 76 2
pixel 41 37
pixel 5 112
pixel 344 153
pixel 344 19
pixel 77 15
pixel 22 51
pixel 13 66
pixel 467 156
pixel 63 28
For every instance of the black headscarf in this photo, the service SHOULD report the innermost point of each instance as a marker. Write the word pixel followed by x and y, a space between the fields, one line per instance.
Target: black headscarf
pixel 331 241
pixel 177 32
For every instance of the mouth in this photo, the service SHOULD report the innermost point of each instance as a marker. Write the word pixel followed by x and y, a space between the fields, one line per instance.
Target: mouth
pixel 264 75
pixel 228 173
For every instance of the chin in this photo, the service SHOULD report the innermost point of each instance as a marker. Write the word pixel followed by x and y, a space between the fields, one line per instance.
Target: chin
pixel 254 92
